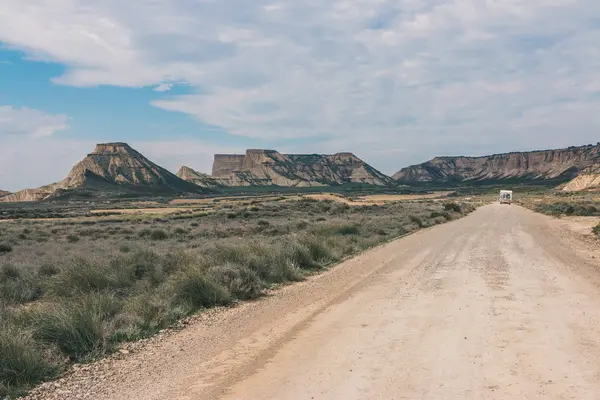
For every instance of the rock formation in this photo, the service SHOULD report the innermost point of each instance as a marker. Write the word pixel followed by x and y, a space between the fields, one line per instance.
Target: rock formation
pixel 561 164
pixel 4 193
pixel 111 169
pixel 198 178
pixel 269 167
pixel 588 179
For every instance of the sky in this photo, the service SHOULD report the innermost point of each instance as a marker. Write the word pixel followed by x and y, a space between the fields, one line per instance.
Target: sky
pixel 396 82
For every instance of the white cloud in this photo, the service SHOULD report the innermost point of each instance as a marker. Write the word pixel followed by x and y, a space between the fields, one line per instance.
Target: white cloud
pixel 419 76
pixel 29 122
pixel 163 87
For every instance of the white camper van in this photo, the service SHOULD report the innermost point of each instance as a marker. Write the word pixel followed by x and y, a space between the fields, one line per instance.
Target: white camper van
pixel 506 196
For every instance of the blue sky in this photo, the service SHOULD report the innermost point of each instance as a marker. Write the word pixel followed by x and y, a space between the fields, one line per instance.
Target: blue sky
pixel 396 82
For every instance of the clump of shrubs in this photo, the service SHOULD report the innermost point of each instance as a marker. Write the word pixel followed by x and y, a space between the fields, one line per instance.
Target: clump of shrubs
pixel 455 207
pixel 159 234
pixel 5 248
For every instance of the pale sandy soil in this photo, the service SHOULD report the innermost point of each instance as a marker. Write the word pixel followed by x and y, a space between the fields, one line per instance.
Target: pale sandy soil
pixel 502 304
pixel 157 210
pixel 581 225
pixel 378 199
pixel 217 200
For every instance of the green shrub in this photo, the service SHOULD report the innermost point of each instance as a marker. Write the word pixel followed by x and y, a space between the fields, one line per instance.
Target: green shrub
pixel 145 232
pixel 46 270
pixel 22 362
pixel 73 238
pixel 85 276
pixel 9 271
pixel 5 248
pixel 417 220
pixel 80 330
pixel 240 281
pixel 596 230
pixel 284 270
pixel 319 248
pixel 159 234
pixel 302 225
pixel 347 230
pixel 452 207
pixel 194 288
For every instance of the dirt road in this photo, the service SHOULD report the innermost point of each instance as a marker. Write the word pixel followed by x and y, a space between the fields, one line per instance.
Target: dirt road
pixel 498 305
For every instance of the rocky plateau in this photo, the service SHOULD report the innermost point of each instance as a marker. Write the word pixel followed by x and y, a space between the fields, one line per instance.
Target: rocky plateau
pixel 271 168
pixel 561 164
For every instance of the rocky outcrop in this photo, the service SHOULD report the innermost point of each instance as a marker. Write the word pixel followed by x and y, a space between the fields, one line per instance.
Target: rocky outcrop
pixel 111 169
pixel 561 164
pixel 30 194
pixel 4 193
pixel 269 167
pixel 583 182
pixel 587 180
pixel 198 178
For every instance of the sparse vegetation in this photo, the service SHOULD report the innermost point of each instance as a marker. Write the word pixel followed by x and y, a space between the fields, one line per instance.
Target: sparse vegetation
pixel 125 278
pixel 563 204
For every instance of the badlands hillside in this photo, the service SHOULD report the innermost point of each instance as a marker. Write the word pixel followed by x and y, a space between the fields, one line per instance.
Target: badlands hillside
pixel 111 169
pixel 271 168
pixel 562 164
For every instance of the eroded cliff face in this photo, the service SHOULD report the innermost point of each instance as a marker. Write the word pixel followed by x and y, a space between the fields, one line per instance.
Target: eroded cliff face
pixel 535 165
pixel 4 193
pixel 587 180
pixel 198 178
pixel 112 168
pixel 269 167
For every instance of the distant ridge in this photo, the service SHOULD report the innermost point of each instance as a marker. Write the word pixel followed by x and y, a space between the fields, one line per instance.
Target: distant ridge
pixel 111 169
pixel 562 164
pixel 259 167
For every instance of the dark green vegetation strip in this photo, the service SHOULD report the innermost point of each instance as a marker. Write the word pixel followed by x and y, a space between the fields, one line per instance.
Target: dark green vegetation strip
pixel 71 292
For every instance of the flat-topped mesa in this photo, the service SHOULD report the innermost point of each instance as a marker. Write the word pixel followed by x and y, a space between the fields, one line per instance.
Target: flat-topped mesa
pixel 558 164
pixel 270 167
pixel 345 154
pixel 225 164
pixel 113 148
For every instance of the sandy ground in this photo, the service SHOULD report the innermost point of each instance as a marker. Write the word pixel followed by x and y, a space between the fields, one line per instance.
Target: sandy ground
pixel 503 304
pixel 378 199
pixel 229 199
pixel 581 225
pixel 157 210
